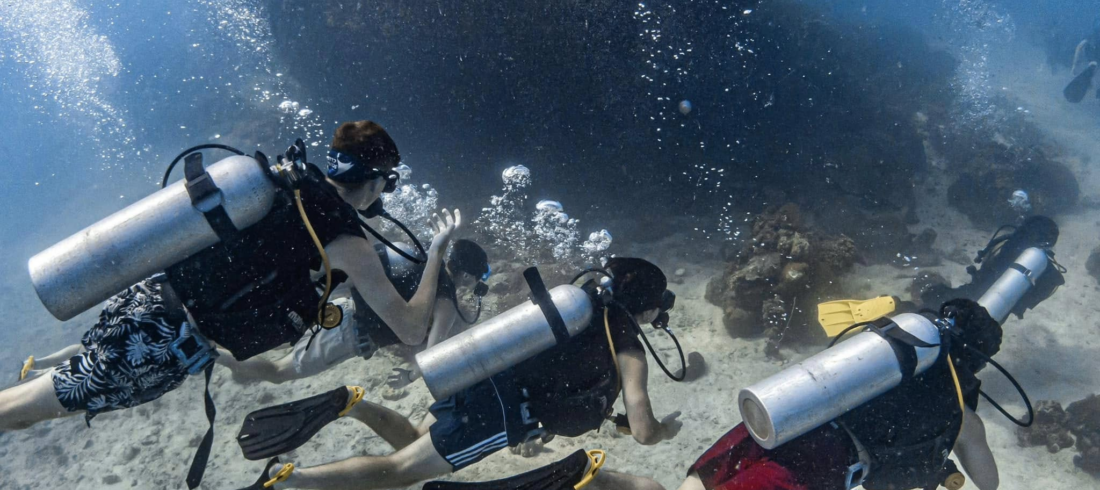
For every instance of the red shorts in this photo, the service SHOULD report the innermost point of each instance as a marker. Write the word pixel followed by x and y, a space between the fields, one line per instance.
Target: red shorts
pixel 816 461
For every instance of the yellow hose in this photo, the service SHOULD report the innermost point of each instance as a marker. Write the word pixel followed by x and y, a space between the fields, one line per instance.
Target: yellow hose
pixel 324 259
pixel 614 356
pixel 958 388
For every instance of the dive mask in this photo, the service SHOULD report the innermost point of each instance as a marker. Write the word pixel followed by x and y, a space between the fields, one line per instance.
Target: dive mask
pixel 343 167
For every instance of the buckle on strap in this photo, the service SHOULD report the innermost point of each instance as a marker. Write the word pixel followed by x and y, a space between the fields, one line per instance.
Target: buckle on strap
pixel 858 471
pixel 207 197
pixel 541 297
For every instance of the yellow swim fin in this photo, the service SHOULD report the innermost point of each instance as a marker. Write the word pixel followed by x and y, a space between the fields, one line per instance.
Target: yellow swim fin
pixel 27 366
pixel 835 316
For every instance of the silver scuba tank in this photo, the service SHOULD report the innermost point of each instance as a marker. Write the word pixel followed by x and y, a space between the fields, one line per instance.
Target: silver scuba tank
pixel 146 237
pixel 500 342
pixel 1020 277
pixel 817 390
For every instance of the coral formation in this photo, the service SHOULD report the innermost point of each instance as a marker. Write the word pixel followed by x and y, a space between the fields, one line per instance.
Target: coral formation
pixel 1093 263
pixel 1084 423
pixel 1053 428
pixel 1048 430
pixel 782 264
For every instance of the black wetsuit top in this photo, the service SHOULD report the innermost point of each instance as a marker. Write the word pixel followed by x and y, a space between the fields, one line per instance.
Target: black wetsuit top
pixel 255 293
pixel 572 386
pixel 405 282
pixel 910 430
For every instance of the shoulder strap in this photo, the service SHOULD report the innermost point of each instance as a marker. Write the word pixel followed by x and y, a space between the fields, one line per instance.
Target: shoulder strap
pixel 541 297
pixel 202 455
pixel 903 343
pixel 207 197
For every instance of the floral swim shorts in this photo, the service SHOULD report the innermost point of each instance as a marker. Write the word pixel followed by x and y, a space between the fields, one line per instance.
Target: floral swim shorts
pixel 127 360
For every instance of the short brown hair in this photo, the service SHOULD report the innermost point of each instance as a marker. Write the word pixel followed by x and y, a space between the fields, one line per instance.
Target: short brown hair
pixel 638 284
pixel 368 143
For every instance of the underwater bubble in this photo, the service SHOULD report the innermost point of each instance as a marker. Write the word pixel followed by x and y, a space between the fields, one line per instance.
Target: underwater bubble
pixel 404 171
pixel 516 174
pixel 598 241
pixel 685 107
pixel 288 106
pixel 548 205
pixel 1020 202
pixel 304 113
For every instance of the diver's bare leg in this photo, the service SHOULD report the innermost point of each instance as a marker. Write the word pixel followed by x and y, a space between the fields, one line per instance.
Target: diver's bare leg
pixel 692 483
pixel 390 425
pixel 61 355
pixel 417 462
pixel 259 369
pixel 52 360
pixel 613 480
pixel 24 405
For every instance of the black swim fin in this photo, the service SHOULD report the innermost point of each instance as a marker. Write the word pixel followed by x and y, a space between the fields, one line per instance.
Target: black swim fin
pixel 1076 89
pixel 276 430
pixel 571 473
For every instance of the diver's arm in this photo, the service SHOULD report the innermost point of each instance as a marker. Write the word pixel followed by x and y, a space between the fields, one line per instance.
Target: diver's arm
pixel 356 257
pixel 644 426
pixel 408 320
pixel 443 320
pixel 974 454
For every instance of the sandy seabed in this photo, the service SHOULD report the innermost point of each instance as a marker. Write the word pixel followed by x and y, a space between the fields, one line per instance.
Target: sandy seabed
pixel 1054 352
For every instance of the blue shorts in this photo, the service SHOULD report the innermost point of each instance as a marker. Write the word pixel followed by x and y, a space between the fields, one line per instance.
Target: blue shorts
pixel 481 420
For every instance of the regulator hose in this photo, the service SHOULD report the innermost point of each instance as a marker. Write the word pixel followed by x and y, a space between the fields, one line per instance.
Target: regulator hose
pixel 590 270
pixel 1019 389
pixel 680 350
pixel 477 315
pixel 171 166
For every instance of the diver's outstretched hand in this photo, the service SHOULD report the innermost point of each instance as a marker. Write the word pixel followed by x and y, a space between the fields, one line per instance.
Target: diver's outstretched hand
pixel 670 426
pixel 444 226
pixel 401 378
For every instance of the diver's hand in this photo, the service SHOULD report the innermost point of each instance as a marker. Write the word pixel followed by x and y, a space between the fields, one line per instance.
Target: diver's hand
pixel 444 226
pixel 400 378
pixel 528 449
pixel 670 426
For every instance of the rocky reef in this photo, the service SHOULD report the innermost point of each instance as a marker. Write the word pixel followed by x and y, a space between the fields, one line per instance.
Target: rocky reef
pixel 1093 263
pixel 1048 430
pixel 1084 423
pixel 784 264
pixel 1056 429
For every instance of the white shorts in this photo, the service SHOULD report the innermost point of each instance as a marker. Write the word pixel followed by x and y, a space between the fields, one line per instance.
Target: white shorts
pixel 330 346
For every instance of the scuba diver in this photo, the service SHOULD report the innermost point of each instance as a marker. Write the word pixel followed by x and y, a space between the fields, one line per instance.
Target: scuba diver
pixel 362 332
pixel 1000 253
pixel 1086 55
pixel 568 390
pixel 898 440
pixel 236 242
